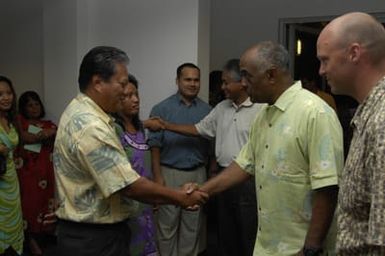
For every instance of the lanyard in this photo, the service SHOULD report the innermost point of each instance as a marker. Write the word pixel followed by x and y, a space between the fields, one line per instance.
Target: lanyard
pixel 132 143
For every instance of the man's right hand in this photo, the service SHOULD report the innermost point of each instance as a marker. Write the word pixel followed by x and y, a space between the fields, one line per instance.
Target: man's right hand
pixel 191 189
pixel 154 124
pixel 194 200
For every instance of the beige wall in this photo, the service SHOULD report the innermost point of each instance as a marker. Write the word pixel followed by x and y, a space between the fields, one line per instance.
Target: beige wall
pixel 235 25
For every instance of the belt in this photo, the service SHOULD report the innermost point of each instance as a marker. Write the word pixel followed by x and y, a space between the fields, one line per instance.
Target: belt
pixel 74 224
pixel 184 168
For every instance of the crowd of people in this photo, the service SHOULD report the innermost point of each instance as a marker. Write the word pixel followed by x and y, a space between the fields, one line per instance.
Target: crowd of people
pixel 104 182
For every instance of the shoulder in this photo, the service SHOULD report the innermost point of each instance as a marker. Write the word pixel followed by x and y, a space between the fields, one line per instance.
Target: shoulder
pixel 311 103
pixel 255 107
pixel 224 104
pixel 168 102
pixel 48 123
pixel 203 104
pixel 377 117
pixel 21 122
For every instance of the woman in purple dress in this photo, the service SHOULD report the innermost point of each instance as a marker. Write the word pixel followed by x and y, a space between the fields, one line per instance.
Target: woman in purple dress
pixel 131 133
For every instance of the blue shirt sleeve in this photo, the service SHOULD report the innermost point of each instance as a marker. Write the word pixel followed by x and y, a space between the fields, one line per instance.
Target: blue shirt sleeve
pixel 155 138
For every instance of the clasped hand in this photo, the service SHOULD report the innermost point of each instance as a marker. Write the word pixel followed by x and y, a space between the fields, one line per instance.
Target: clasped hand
pixel 195 197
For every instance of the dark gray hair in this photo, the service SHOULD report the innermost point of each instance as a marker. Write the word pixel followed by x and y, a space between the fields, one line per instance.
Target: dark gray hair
pixel 101 61
pixel 270 55
pixel 232 66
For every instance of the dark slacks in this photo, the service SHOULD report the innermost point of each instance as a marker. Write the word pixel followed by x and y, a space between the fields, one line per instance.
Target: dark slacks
pixel 80 239
pixel 237 220
pixel 9 252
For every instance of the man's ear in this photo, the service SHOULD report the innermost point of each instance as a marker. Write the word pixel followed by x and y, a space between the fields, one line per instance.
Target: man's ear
pixel 97 83
pixel 354 52
pixel 271 74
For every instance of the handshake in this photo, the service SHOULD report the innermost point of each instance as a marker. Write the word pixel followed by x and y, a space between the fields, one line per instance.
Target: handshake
pixel 194 197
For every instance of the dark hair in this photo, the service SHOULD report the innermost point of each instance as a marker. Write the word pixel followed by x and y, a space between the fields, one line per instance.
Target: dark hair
pixel 185 65
pixel 135 120
pixel 12 112
pixel 25 98
pixel 232 66
pixel 100 61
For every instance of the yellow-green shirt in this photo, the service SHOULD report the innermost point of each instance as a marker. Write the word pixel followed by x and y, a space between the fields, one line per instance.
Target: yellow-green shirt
pixel 91 166
pixel 11 221
pixel 294 147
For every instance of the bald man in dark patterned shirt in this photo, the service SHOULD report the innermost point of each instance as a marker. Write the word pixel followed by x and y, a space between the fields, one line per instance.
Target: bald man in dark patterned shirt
pixel 351 49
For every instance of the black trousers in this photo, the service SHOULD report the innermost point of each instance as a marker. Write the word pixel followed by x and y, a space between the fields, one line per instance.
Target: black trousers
pixel 9 252
pixel 81 239
pixel 237 220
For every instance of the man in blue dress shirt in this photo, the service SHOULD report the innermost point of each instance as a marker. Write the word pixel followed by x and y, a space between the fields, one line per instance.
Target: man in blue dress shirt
pixel 177 159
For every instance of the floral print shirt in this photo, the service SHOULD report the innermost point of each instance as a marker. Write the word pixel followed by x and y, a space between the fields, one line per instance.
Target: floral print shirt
pixel 361 204
pixel 91 166
pixel 294 147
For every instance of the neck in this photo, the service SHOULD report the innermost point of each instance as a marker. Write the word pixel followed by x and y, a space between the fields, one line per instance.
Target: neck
pixel 128 124
pixel 365 83
pixel 281 86
pixel 187 101
pixel 96 98
pixel 238 101
pixel 33 119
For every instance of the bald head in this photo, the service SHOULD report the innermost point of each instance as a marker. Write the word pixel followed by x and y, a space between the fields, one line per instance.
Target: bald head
pixel 360 28
pixel 351 50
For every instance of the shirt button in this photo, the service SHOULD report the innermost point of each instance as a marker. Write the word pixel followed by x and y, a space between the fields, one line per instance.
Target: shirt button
pixel 262 166
pixel 259 229
pixel 260 209
pixel 235 119
pixel 260 187
pixel 270 125
pixel 267 146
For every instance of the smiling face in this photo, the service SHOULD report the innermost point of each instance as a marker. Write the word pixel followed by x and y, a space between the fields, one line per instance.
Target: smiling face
pixel 189 83
pixel 33 109
pixel 113 90
pixel 131 101
pixel 6 97
pixel 231 87
pixel 256 80
pixel 334 62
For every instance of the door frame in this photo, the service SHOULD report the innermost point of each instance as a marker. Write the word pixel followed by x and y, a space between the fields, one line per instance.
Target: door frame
pixel 287 28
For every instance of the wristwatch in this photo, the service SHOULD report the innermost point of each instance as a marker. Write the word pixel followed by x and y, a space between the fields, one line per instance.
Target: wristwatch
pixel 311 251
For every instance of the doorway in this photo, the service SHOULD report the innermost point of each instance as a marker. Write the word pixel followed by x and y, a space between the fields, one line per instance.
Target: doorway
pixel 299 36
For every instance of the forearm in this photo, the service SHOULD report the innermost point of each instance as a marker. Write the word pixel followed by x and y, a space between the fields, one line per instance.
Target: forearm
pixel 324 203
pixel 229 177
pixel 155 163
pixel 29 138
pixel 185 129
pixel 25 136
pixel 150 192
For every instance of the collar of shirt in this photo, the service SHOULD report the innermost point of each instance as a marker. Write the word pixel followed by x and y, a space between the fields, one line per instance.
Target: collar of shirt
pixel 245 104
pixel 181 101
pixel 365 109
pixel 287 97
pixel 97 109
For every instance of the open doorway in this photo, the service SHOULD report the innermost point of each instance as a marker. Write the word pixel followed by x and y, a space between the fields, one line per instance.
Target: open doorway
pixel 299 36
